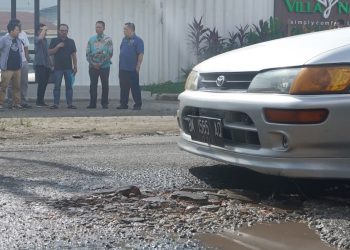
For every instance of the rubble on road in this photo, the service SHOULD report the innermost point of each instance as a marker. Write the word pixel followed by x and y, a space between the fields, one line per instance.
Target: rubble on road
pixel 183 214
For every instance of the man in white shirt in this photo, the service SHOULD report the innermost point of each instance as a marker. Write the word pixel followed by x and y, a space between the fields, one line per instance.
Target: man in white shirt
pixel 24 70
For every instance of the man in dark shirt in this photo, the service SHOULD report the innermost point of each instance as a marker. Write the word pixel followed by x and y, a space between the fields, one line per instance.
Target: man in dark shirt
pixel 42 64
pixel 10 63
pixel 130 59
pixel 65 64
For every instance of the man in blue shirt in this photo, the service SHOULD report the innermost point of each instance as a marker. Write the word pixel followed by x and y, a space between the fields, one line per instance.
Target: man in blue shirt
pixel 130 59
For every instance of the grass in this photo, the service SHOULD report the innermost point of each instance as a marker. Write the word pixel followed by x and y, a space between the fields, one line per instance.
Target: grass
pixel 165 88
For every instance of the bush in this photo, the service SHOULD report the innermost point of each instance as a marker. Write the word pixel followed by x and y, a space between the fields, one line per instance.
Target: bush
pixel 196 37
pixel 265 31
pixel 166 87
pixel 206 42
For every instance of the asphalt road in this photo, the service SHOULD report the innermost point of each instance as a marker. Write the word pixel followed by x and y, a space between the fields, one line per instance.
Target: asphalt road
pixel 55 182
pixel 37 183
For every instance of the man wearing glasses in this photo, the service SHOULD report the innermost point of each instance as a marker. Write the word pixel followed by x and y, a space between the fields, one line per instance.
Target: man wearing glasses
pixel 24 70
pixel 65 64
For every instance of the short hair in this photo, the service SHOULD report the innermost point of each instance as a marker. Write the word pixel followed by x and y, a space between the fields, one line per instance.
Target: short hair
pixel 11 27
pixel 102 23
pixel 63 24
pixel 131 26
pixel 15 21
pixel 341 22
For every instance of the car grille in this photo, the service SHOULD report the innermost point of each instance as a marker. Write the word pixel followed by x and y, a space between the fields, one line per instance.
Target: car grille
pixel 239 128
pixel 233 81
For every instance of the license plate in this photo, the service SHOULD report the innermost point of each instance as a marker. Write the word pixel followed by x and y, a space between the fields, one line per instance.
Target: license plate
pixel 206 129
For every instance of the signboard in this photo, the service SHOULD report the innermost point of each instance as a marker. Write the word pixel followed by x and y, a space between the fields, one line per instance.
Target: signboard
pixel 312 14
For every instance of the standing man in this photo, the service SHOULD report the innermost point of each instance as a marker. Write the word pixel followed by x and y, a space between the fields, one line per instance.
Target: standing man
pixel 64 51
pixel 42 64
pixel 24 70
pixel 99 52
pixel 11 52
pixel 130 59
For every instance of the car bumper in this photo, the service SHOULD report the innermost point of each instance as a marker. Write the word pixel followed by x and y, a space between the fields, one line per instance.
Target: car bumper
pixel 337 168
pixel 314 150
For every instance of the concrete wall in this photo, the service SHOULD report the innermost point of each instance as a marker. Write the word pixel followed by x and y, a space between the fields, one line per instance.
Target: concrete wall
pixel 161 23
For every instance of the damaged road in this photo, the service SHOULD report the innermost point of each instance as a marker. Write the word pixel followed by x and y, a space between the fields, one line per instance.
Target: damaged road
pixel 122 183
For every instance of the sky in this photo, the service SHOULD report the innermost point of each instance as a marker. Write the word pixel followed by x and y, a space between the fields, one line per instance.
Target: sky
pixel 5 5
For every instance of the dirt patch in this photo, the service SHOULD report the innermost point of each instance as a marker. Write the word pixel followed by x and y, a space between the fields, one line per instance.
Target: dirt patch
pixel 37 129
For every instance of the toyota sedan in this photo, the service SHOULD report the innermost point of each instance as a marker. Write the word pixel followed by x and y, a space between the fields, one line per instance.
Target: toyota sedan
pixel 281 107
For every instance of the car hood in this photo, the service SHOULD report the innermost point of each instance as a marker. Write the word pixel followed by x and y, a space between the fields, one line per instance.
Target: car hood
pixel 330 46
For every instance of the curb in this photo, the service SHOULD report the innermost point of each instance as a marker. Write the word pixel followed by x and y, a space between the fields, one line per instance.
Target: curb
pixel 166 97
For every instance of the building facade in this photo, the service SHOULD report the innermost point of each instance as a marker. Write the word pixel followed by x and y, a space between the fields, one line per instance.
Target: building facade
pixel 163 25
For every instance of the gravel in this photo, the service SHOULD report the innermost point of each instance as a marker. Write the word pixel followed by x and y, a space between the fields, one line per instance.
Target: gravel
pixel 66 193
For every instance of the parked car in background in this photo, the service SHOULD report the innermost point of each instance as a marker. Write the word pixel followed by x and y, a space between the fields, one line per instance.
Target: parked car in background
pixel 281 107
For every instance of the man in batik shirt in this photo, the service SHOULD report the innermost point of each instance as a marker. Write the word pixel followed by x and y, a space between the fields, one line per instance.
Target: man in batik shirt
pixel 99 53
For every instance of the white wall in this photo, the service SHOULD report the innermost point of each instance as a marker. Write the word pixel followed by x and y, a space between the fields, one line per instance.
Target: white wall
pixel 162 24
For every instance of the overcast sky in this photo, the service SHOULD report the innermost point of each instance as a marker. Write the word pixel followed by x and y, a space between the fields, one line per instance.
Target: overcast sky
pixel 5 5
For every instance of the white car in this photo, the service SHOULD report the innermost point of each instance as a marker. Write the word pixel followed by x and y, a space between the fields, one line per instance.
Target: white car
pixel 31 74
pixel 281 107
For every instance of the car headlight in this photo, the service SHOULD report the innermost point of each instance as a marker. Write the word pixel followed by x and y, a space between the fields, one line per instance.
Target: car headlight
pixel 322 80
pixel 274 81
pixel 192 81
pixel 303 81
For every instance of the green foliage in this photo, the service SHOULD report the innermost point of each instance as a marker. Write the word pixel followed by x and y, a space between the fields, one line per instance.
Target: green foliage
pixel 214 44
pixel 265 31
pixel 242 35
pixel 276 29
pixel 232 41
pixel 197 36
pixel 297 30
pixel 262 30
pixel 166 87
pixel 207 42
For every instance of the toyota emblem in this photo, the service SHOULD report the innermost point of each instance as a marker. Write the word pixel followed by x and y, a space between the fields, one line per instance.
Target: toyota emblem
pixel 220 81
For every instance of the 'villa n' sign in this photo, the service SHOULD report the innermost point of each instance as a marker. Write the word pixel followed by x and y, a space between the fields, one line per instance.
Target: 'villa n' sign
pixel 320 13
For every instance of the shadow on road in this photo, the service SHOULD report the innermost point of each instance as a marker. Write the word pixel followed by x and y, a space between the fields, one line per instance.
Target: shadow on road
pixel 232 177
pixel 19 187
pixel 55 165
pixel 24 185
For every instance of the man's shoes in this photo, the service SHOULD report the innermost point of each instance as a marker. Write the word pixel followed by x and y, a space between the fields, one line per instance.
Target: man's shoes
pixel 122 107
pixel 42 105
pixel 54 107
pixel 104 106
pixel 136 108
pixel 71 107
pixel 26 106
pixel 91 107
